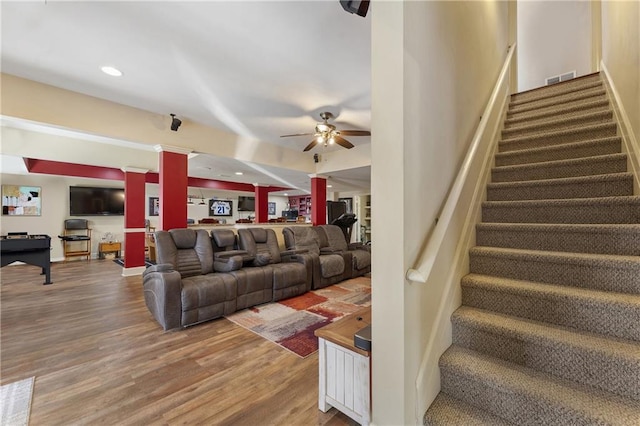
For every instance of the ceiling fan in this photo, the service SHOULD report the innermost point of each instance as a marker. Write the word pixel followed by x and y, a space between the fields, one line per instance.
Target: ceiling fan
pixel 326 134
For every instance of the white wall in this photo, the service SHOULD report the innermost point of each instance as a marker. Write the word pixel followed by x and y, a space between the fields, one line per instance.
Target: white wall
pixel 554 37
pixel 434 65
pixel 621 55
pixel 55 209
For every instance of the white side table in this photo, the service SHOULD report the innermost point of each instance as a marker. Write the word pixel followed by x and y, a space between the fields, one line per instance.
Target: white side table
pixel 344 370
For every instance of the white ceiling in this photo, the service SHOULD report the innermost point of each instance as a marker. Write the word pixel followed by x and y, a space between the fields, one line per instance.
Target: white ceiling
pixel 258 69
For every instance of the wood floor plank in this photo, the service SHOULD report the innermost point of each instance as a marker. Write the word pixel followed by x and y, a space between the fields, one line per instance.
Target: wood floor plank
pixel 100 358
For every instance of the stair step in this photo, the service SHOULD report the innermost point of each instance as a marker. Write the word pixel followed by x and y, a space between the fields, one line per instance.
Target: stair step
pixel 558 137
pixel 609 185
pixel 597 165
pixel 578 210
pixel 552 109
pixel 593 360
pixel 582 149
pixel 596 271
pixel 602 312
pixel 616 239
pixel 589 105
pixel 577 120
pixel 528 397
pixel 579 83
pixel 448 411
pixel 556 101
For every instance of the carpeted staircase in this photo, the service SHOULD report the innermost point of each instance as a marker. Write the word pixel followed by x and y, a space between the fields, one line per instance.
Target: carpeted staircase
pixel 549 328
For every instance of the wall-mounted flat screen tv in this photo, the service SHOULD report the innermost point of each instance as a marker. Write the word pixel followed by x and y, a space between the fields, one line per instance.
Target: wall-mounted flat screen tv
pixel 96 201
pixel 246 204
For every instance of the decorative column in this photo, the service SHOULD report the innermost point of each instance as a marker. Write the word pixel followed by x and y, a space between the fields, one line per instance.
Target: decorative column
pixel 173 186
pixel 134 229
pixel 262 204
pixel 318 199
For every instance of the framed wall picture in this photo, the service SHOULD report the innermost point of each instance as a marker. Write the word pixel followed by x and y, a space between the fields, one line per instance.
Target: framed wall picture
pixel 154 206
pixel 272 208
pixel 18 200
pixel 220 208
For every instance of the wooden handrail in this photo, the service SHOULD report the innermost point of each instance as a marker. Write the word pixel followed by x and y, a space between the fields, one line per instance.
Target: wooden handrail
pixel 421 271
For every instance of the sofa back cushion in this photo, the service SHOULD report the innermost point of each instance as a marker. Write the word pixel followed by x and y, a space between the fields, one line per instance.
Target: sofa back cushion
pixel 334 236
pixel 301 238
pixel 223 240
pixel 261 243
pixel 188 251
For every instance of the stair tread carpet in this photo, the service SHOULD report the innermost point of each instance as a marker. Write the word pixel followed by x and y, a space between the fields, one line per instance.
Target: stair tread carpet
pixel 618 239
pixel 605 185
pixel 563 151
pixel 577 210
pixel 585 270
pixel 573 167
pixel 579 83
pixel 554 102
pixel 448 411
pixel 557 137
pixel 602 312
pixel 606 363
pixel 573 121
pixel 596 104
pixel 553 108
pixel 529 397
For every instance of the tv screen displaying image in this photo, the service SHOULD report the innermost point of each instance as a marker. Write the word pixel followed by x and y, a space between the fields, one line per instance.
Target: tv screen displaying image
pixel 96 201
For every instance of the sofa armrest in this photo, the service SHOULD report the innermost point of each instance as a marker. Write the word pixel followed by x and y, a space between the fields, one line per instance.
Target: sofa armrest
pixel 330 250
pixel 163 295
pixel 359 246
pixel 162 267
pixel 227 264
pixel 293 252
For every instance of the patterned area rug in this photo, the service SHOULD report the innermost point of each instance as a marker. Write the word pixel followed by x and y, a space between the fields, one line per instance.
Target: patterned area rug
pixel 15 402
pixel 291 322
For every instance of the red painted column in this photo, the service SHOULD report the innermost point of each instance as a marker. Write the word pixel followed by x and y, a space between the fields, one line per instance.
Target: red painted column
pixel 173 187
pixel 262 204
pixel 318 200
pixel 134 229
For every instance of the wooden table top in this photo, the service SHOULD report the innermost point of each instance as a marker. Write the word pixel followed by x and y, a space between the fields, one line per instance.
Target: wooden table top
pixel 342 331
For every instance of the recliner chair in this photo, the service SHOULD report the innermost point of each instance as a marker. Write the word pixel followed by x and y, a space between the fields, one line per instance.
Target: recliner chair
pixel 292 272
pixel 330 266
pixel 360 253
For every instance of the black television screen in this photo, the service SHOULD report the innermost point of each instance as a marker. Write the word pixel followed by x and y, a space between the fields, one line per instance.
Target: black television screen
pixel 246 204
pixel 95 201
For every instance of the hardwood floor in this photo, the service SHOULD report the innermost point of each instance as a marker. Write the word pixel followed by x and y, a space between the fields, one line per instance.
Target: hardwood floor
pixel 100 358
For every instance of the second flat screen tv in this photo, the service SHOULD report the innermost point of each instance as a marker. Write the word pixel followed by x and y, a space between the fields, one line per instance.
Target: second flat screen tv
pixel 96 201
pixel 246 204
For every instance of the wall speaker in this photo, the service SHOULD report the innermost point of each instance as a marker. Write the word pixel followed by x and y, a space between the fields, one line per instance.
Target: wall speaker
pixel 359 7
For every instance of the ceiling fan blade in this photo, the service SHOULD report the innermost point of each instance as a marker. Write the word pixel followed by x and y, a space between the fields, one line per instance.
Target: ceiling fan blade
pixel 311 145
pixel 343 142
pixel 355 132
pixel 297 134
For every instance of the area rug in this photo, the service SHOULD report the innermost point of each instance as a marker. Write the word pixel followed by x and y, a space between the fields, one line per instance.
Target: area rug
pixel 290 323
pixel 15 402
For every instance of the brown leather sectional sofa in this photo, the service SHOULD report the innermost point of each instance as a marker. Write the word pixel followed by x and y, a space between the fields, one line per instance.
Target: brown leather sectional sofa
pixel 202 276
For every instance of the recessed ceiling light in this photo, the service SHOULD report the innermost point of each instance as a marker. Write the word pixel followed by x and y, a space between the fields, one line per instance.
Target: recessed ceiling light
pixel 239 173
pixel 329 186
pixel 286 195
pixel 114 72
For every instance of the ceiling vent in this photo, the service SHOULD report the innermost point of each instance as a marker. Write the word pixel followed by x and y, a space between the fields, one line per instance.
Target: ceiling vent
pixel 559 78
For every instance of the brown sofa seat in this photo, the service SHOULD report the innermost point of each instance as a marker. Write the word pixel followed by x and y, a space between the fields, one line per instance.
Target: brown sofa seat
pixel 292 274
pixel 182 289
pixel 360 254
pixel 255 284
pixel 329 266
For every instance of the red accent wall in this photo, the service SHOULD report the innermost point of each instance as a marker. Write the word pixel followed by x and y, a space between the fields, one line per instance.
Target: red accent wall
pixel 262 204
pixel 318 201
pixel 173 190
pixel 134 203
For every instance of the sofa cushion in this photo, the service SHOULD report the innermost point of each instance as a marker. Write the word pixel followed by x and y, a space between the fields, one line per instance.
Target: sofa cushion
pixel 331 265
pixel 209 296
pixel 361 259
pixel 224 238
pixel 189 251
pixel 301 238
pixel 335 237
pixel 262 258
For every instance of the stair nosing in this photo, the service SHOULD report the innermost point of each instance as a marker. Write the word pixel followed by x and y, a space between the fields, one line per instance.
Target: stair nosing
pixel 617 260
pixel 559 147
pixel 600 103
pixel 586 85
pixel 605 177
pixel 560 132
pixel 624 199
pixel 604 158
pixel 607 112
